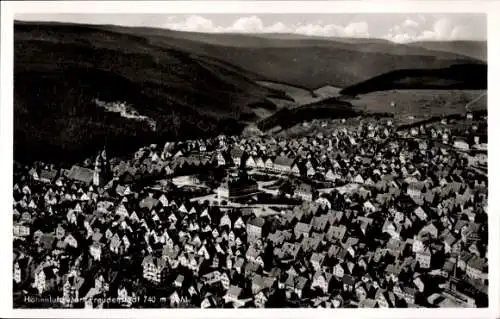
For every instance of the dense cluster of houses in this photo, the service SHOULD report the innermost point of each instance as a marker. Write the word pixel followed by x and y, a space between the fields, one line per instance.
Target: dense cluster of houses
pixel 386 218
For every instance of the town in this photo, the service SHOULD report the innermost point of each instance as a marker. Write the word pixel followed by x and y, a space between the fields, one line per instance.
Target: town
pixel 342 214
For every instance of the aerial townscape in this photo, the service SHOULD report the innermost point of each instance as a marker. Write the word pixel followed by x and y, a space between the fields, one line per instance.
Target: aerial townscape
pixel 367 215
pixel 158 168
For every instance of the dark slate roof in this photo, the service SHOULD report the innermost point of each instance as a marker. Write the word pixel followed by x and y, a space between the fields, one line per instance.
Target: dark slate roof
pixel 259 222
pixel 48 174
pixel 283 161
pixel 81 174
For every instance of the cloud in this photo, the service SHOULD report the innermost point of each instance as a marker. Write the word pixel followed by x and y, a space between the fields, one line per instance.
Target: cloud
pixel 410 23
pixel 443 29
pixel 193 23
pixel 357 29
pixel 253 24
pixel 277 27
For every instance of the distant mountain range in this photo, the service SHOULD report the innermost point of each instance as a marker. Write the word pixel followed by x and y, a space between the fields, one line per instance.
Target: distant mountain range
pixel 193 84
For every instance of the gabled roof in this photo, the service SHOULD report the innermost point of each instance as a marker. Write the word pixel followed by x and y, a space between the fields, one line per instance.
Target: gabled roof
pixel 81 174
pixel 48 174
pixel 148 203
pixel 303 227
pixel 257 221
pixel 283 161
pixel 236 152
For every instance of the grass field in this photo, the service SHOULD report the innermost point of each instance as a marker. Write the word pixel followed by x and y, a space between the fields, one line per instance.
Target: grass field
pixel 298 94
pixel 416 103
pixel 327 91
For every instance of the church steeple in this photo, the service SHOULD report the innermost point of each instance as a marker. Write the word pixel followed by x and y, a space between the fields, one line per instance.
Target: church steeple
pixel 101 168
pixel 97 170
pixel 103 155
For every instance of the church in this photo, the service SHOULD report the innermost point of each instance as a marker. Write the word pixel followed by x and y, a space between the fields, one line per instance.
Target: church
pixel 102 169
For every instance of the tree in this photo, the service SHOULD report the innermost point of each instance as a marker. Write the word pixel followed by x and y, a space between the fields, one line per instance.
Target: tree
pixel 286 188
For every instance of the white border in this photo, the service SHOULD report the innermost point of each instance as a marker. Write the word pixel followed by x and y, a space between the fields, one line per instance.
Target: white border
pixel 8 9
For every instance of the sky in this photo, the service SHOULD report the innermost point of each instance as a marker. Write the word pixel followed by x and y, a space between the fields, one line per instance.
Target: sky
pixel 397 27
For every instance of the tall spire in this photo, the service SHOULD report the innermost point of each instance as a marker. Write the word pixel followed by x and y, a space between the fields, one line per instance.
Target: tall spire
pixel 103 154
pixel 97 170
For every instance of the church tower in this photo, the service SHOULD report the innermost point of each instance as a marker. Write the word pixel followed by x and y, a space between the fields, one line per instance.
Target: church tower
pixel 101 169
pixel 97 170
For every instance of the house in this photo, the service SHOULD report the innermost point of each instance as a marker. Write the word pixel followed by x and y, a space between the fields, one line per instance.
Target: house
pixel 179 281
pixel 95 250
pixel 71 241
pixel 224 280
pixel 81 175
pixel 210 301
pixel 261 283
pixel 368 303
pixel 409 295
pixel 358 179
pixel 238 265
pixel 348 283
pixel 21 230
pixel 417 244
pixel 369 207
pixel 304 191
pixel 360 291
pixel 321 281
pixel 302 230
pixel 283 164
pixel 431 230
pixel 154 269
pixel 338 270
pixel 253 255
pixel 259 163
pixel 420 213
pixel 174 299
pixel 250 162
pixel 317 260
pixel 476 268
pixel 251 268
pixel 71 287
pixel 44 278
pixel 390 229
pixel 385 298
pixel 295 169
pixel 461 144
pixel 296 284
pixel 47 175
pixel 232 294
pixel 116 245
pixel 269 164
pixel 260 300
pixel 236 154
pixel 254 227
pixel 336 232
pixel 331 176
pixel 17 273
pixel 123 296
pixel 34 174
pixel 395 247
pixel 423 257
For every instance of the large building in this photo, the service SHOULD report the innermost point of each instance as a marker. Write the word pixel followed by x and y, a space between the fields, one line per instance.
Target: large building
pixel 237 188
pixel 283 164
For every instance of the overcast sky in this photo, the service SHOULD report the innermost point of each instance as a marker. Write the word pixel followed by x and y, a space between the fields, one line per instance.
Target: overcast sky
pixel 396 27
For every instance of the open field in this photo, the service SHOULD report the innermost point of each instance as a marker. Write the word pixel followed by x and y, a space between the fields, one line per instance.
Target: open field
pixel 416 102
pixel 298 94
